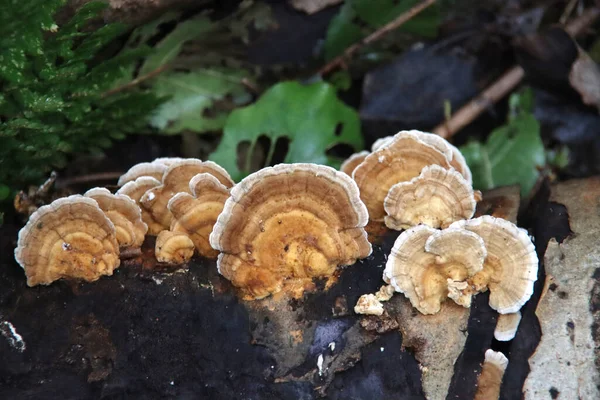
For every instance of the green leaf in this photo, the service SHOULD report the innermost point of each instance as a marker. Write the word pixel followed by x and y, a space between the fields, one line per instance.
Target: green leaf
pixel 346 29
pixel 168 48
pixel 4 192
pixel 311 117
pixel 192 95
pixel 513 154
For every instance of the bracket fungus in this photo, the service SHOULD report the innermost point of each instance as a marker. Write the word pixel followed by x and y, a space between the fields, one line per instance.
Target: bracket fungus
pixel 511 266
pixel 173 248
pixel 429 265
pixel 400 160
pixel 437 198
pixel 176 179
pixel 69 238
pixel 350 164
pixel 195 214
pixel 490 379
pixel 125 215
pixel 507 326
pixel 289 224
pixel 135 190
pixel 150 169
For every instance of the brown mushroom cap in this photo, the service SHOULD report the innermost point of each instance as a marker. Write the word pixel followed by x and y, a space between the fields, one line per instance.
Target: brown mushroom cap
pixel 454 156
pixel 291 221
pixel 195 214
pixel 135 190
pixel 511 266
pixel 437 198
pixel 150 169
pixel 352 162
pixel 490 379
pixel 125 215
pixel 428 265
pixel 173 248
pixel 399 161
pixel 175 180
pixel 69 238
pixel 507 326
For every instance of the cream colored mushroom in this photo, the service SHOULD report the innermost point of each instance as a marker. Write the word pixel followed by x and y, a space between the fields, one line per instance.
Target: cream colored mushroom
pixel 173 248
pixel 150 169
pixel 352 162
pixel 490 379
pixel 368 304
pixel 291 222
pixel 125 215
pixel 399 161
pixel 428 265
pixel 135 190
pixel 437 198
pixel 511 266
pixel 175 180
pixel 507 326
pixel 195 214
pixel 69 238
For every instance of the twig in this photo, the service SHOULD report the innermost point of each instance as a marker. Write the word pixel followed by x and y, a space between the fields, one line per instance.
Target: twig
pixel 135 82
pixel 102 176
pixel 378 34
pixel 504 85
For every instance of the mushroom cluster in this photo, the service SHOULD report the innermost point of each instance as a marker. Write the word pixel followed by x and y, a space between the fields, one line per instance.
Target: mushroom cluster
pixel 413 178
pixel 281 226
pixel 420 183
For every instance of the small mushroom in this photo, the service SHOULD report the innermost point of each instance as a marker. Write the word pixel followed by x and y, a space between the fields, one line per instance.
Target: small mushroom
pixel 511 266
pixel 437 198
pixel 353 161
pixel 398 161
pixel 125 215
pixel 368 304
pixel 150 169
pixel 490 379
pixel 173 248
pixel 428 266
pixel 69 238
pixel 289 222
pixel 175 180
pixel 195 214
pixel 135 190
pixel 507 325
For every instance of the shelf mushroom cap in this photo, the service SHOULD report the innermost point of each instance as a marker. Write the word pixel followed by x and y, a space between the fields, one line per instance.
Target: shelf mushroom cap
pixel 195 214
pixel 511 266
pixel 428 265
pixel 507 326
pixel 173 248
pixel 437 198
pixel 125 215
pixel 289 222
pixel 399 161
pixel 454 156
pixel 350 164
pixel 69 238
pixel 135 190
pixel 150 169
pixel 176 179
